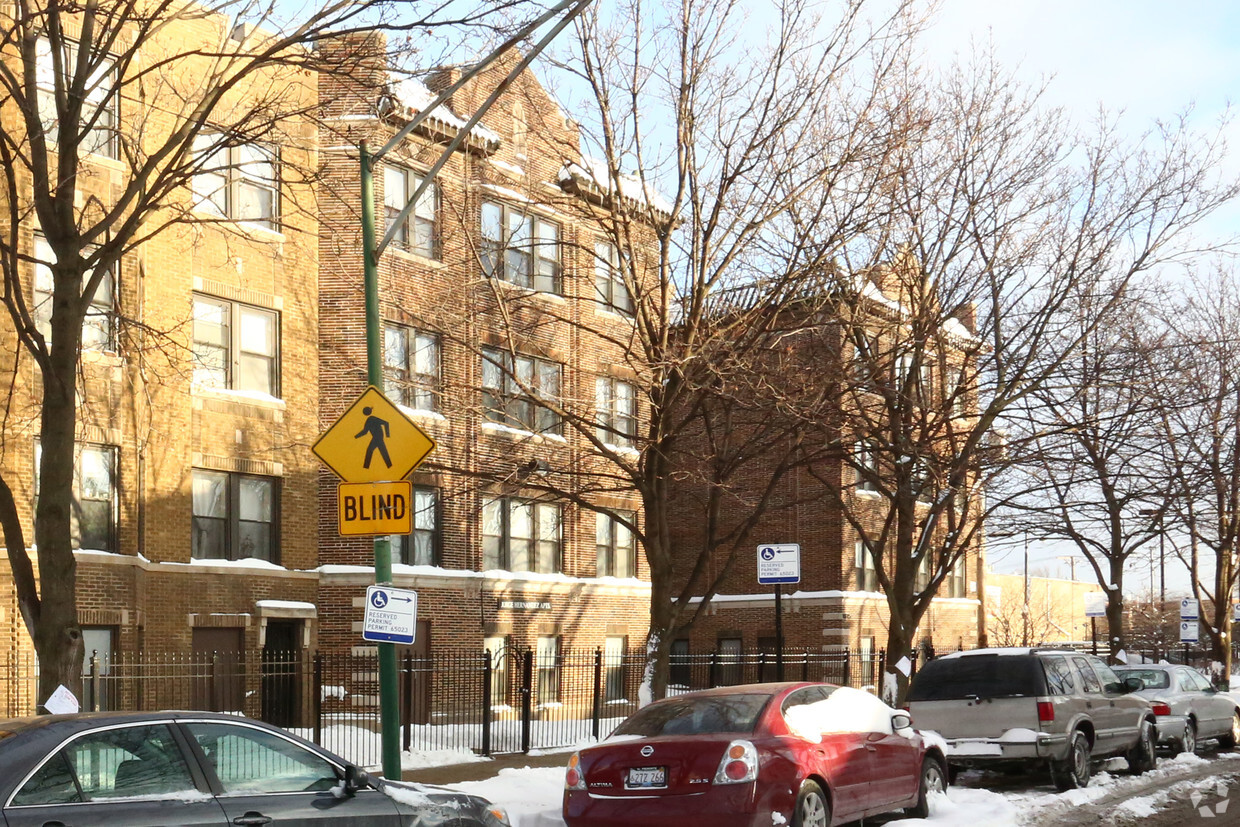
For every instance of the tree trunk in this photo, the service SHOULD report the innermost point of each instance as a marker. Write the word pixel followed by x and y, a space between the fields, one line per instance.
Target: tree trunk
pixel 658 642
pixel 1115 610
pixel 899 646
pixel 1220 625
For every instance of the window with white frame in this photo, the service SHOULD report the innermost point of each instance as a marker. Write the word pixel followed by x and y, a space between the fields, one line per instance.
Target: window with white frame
pixel 95 506
pixel 866 467
pixel 235 516
pixel 922 580
pixel 520 248
pixel 97 127
pixel 519 535
pixel 417 233
pixel 956 579
pixel 613 668
pixel 547 664
pixel 866 574
pixel 609 287
pixel 421 546
pixel 516 390
pixel 239 182
pixel 615 547
pixel 99 325
pixel 236 346
pixel 411 367
pixel 615 404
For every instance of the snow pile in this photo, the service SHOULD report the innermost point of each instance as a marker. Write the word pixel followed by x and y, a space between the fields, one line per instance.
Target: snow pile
pixel 414 96
pixel 845 710
pixel 406 794
pixel 533 796
pixel 595 172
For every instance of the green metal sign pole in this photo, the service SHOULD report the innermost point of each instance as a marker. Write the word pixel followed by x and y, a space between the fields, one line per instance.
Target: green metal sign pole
pixel 389 710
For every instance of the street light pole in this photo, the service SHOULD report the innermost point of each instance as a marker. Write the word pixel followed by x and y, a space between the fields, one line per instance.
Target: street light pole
pixel 1025 636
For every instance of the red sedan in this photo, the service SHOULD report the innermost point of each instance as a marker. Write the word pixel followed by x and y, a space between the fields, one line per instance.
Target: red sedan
pixel 806 754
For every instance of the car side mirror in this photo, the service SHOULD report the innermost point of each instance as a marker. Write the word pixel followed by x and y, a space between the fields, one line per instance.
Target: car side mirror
pixel 354 779
pixel 1133 684
pixel 900 721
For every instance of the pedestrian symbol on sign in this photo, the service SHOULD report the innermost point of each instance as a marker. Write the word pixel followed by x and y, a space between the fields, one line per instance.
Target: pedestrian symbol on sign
pixel 379 432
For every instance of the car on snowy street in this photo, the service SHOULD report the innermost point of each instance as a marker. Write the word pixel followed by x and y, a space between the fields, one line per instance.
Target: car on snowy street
pixel 1189 709
pixel 805 754
pixel 1032 707
pixel 199 768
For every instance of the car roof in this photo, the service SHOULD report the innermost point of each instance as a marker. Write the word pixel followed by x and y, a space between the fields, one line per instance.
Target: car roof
pixel 1146 667
pixel 34 722
pixel 1010 651
pixel 748 689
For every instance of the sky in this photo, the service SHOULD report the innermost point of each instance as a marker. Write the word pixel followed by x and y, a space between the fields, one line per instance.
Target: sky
pixel 1146 58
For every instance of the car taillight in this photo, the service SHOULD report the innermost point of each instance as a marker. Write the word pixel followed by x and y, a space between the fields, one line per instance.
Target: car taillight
pixel 1046 712
pixel 1160 708
pixel 738 765
pixel 574 778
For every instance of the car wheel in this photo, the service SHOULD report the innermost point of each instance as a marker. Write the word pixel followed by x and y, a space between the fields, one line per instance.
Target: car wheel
pixel 1073 772
pixel 1142 758
pixel 1188 741
pixel 812 808
pixel 933 780
pixel 1232 738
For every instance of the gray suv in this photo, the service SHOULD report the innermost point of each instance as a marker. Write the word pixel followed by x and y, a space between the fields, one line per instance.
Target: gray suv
pixel 1033 707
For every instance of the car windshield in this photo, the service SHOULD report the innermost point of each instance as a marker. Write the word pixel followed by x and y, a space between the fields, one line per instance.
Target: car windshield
pixel 980 676
pixel 1152 678
pixel 696 715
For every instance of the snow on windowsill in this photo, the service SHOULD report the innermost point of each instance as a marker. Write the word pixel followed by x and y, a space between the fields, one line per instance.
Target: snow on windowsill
pixel 490 574
pixel 508 430
pixel 292 605
pixel 507 167
pixel 234 395
pixel 243 563
pixel 415 413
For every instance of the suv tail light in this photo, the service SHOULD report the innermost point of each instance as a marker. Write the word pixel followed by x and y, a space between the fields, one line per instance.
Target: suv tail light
pixel 574 778
pixel 1046 712
pixel 1161 708
pixel 739 764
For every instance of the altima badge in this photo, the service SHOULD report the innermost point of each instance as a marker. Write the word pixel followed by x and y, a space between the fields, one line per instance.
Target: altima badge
pixel 647 751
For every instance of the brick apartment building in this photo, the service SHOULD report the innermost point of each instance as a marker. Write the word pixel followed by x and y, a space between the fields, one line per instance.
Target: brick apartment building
pixel 501 323
pixel 198 392
pixel 838 606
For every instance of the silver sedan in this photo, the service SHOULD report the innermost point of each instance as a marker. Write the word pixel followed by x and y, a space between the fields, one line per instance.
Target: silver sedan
pixel 1187 707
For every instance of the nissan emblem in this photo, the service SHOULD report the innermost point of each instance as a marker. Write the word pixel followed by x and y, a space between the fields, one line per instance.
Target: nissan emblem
pixel 647 751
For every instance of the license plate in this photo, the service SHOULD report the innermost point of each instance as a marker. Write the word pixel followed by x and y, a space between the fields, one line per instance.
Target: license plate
pixel 645 778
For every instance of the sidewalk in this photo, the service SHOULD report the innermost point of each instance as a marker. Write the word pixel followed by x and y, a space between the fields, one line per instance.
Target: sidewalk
pixel 482 770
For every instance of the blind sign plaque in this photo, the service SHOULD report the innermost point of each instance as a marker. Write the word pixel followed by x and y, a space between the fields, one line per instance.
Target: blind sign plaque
pixel 391 615
pixel 779 563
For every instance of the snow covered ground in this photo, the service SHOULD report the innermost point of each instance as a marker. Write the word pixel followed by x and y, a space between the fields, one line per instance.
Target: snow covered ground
pixel 532 795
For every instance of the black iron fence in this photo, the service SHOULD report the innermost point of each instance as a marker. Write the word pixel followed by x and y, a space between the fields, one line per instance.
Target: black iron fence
pixel 509 701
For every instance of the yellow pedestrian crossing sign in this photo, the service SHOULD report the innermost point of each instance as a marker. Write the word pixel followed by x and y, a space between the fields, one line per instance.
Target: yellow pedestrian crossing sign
pixel 373 441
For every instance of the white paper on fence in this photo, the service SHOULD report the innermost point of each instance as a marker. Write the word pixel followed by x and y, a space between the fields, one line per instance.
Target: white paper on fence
pixel 904 665
pixel 62 702
pixel 1121 656
pixel 845 710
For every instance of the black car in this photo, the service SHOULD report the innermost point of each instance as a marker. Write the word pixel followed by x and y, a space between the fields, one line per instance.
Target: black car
pixel 199 768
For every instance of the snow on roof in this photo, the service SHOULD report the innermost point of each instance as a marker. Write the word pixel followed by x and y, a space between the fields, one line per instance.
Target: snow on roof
pixel 414 96
pixel 595 173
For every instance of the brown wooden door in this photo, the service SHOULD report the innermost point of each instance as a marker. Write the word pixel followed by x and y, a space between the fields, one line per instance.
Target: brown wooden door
pixel 219 674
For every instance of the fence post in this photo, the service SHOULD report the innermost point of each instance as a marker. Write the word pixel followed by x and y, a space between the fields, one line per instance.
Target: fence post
pixel 316 698
pixel 762 667
pixel 881 678
pixel 406 707
pixel 598 692
pixel 713 672
pixel 94 680
pixel 804 664
pixel 847 666
pixel 487 701
pixel 215 676
pixel 527 698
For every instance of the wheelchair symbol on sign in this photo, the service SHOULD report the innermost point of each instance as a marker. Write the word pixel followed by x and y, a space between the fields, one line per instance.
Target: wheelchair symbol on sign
pixel 379 600
pixel 768 554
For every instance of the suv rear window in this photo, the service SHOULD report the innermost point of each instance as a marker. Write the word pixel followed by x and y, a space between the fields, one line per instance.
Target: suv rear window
pixel 982 676
pixel 690 716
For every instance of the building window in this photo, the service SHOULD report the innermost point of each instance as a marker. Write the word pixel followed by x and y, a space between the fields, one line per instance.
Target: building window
pixel 99 325
pixel 956 579
pixel 613 669
pixel 517 389
pixel 520 248
pixel 609 286
pixel 680 667
pixel 547 662
pixel 235 346
pixel 95 501
pixel 97 128
pixel 497 647
pixel 615 404
pixel 421 547
pixel 866 469
pixel 417 233
pixel 614 544
pixel 518 535
pixel 730 666
pixel 922 580
pixel 867 661
pixel 235 516
pixel 867 576
pixel 411 367
pixel 237 182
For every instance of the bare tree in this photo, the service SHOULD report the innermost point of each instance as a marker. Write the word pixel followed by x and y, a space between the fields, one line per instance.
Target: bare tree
pixel 1200 428
pixel 164 92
